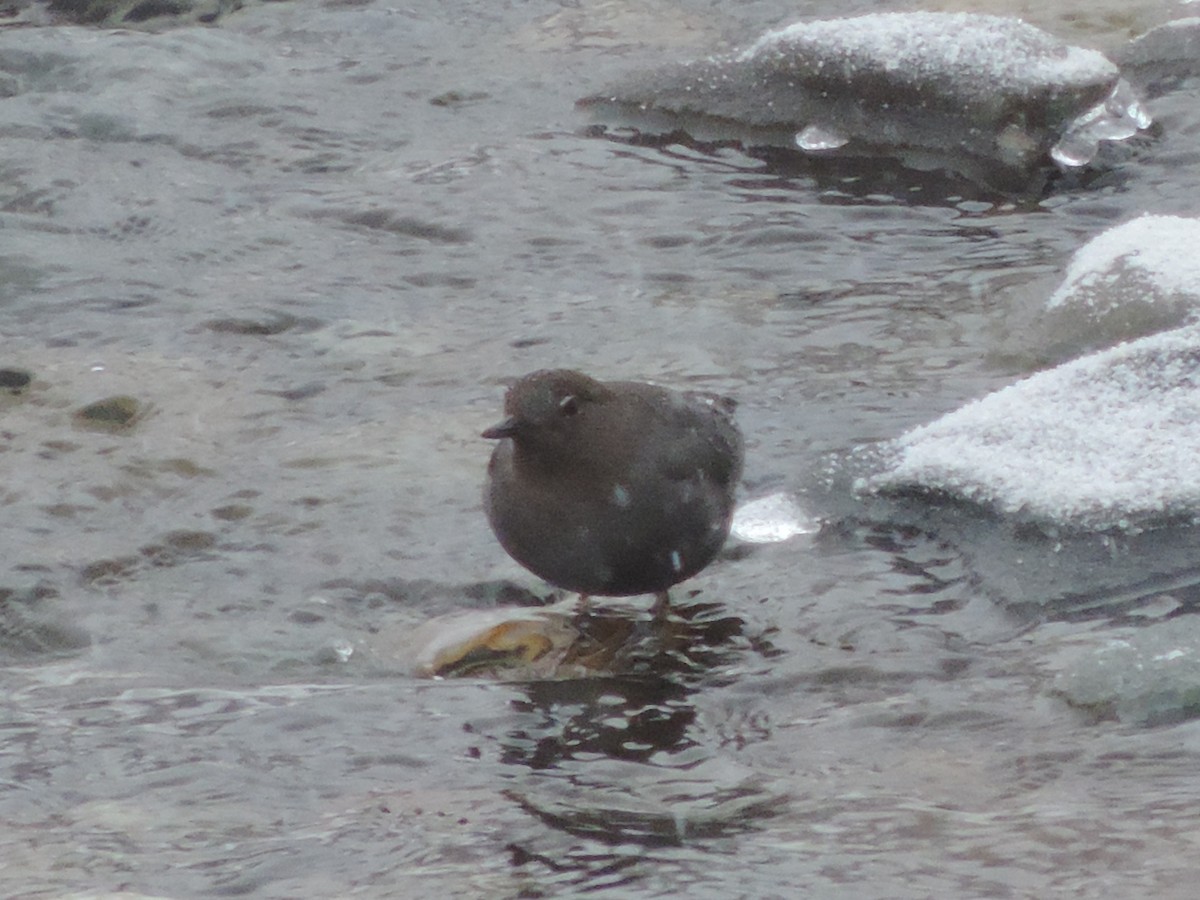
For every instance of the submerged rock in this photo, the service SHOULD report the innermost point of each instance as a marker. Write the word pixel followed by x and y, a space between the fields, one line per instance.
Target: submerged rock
pixel 14 381
pixel 987 96
pixel 1107 442
pixel 505 639
pixel 1141 676
pixel 563 641
pixel 1164 57
pixel 111 414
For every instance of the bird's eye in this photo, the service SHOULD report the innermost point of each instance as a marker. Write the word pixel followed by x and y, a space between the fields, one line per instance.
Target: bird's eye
pixel 569 405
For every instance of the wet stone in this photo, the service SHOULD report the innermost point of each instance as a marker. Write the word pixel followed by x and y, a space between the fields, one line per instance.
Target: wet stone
pixel 305 617
pixel 109 571
pixel 565 641
pixel 266 326
pixel 24 634
pixel 14 380
pixel 1132 280
pixel 111 414
pixel 457 98
pixel 191 541
pixel 232 512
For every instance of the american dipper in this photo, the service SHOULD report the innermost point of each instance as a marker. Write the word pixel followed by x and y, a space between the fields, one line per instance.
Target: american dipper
pixel 612 488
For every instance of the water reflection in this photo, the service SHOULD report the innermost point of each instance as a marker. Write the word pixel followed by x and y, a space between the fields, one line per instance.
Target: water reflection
pixel 837 180
pixel 616 767
pixel 640 708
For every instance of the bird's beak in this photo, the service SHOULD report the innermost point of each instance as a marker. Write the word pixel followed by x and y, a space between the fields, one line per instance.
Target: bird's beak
pixel 505 429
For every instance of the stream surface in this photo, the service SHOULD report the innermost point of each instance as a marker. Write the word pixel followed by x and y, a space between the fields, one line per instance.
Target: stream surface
pixel 313 243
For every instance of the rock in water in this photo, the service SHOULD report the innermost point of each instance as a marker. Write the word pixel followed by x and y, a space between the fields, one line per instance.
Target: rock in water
pixel 1140 676
pixel 1131 280
pixel 990 97
pixel 1164 58
pixel 1107 442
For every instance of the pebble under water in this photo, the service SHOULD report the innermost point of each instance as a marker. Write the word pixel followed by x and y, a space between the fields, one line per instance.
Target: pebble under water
pixel 263 284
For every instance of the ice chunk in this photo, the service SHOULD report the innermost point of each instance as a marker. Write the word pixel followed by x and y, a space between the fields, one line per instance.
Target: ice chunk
pixel 1118 117
pixel 815 137
pixel 957 86
pixel 1146 676
pixel 1109 441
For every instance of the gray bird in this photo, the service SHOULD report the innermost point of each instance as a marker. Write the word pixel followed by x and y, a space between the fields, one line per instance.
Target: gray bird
pixel 612 488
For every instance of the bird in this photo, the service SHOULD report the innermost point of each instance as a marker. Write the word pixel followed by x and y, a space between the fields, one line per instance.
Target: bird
pixel 612 488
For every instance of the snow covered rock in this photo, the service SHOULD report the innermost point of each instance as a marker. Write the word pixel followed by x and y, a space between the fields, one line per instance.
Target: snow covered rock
pixel 1108 441
pixel 986 95
pixel 1132 280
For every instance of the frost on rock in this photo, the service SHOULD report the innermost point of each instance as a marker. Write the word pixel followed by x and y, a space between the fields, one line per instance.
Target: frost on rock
pixel 1109 441
pixel 922 86
pixel 1134 279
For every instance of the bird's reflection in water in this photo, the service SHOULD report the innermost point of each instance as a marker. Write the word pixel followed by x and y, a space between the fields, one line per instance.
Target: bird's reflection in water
pixel 607 757
pixel 632 699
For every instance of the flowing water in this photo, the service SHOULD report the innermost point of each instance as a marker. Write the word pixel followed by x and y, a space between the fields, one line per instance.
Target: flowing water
pixel 310 245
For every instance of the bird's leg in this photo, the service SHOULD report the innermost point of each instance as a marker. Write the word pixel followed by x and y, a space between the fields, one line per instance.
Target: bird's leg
pixel 661 609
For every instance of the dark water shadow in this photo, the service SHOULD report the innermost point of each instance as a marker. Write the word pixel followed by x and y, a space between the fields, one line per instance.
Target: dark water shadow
pixel 850 179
